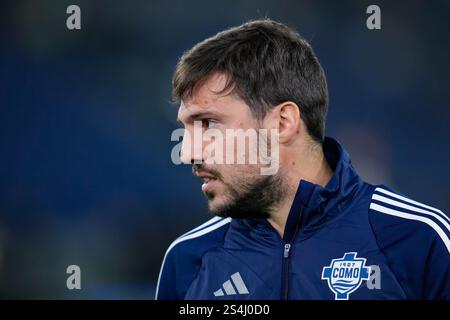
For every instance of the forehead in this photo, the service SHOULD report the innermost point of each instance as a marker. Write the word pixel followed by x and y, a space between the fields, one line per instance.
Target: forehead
pixel 208 99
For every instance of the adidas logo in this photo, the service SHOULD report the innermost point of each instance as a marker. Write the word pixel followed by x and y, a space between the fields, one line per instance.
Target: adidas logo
pixel 230 286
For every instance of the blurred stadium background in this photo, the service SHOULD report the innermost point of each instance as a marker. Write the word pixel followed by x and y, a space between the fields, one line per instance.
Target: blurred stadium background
pixel 86 118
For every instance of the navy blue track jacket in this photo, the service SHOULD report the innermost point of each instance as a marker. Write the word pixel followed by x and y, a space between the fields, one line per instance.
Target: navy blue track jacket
pixel 348 240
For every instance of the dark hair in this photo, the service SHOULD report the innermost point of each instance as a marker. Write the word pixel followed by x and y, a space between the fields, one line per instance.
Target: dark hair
pixel 266 63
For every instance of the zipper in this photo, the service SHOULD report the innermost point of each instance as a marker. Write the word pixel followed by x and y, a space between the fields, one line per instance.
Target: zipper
pixel 285 283
pixel 287 248
pixel 291 229
pixel 286 257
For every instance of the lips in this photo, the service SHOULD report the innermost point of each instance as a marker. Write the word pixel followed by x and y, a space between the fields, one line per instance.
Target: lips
pixel 208 181
pixel 208 185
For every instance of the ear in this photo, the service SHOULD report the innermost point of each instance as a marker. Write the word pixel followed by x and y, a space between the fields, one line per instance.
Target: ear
pixel 289 121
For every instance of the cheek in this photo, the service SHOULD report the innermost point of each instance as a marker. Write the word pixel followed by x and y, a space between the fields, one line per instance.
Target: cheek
pixel 241 149
pixel 239 174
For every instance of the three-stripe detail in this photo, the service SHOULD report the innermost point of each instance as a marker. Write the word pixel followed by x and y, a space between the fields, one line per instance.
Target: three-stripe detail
pixel 390 203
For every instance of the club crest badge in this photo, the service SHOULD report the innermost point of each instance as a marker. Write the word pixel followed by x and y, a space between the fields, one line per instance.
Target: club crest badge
pixel 345 275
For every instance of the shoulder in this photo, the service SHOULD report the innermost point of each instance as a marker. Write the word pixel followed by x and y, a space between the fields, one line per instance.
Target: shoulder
pixel 183 257
pixel 415 239
pixel 197 241
pixel 391 211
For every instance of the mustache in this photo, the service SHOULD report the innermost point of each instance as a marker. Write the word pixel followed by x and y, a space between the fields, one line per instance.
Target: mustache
pixel 197 168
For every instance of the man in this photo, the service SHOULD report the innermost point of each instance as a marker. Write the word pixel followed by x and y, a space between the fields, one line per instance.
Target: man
pixel 311 230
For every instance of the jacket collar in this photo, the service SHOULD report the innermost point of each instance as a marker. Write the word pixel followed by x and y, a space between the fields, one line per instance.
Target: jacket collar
pixel 313 204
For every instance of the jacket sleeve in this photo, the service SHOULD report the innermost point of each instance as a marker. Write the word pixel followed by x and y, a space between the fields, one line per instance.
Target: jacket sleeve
pixel 179 268
pixel 436 282
pixel 415 239
pixel 166 288
pixel 183 259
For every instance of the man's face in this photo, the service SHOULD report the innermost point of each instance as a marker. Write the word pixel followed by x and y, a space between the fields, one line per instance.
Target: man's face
pixel 236 190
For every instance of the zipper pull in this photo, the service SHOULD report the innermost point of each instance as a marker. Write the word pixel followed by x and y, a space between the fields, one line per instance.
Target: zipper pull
pixel 287 248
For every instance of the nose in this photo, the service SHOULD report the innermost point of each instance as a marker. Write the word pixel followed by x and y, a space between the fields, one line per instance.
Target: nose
pixel 191 149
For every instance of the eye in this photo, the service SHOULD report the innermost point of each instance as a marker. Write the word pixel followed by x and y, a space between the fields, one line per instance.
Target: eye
pixel 208 123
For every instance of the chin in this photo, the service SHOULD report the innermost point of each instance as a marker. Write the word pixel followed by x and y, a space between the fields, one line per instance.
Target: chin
pixel 216 206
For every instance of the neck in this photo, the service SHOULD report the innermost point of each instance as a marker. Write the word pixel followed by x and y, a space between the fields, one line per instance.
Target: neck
pixel 311 166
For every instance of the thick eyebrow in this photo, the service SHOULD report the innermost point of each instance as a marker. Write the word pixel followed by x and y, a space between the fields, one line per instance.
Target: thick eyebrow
pixel 199 115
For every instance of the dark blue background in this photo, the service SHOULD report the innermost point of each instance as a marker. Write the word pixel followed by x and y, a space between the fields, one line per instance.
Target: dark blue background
pixel 86 118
